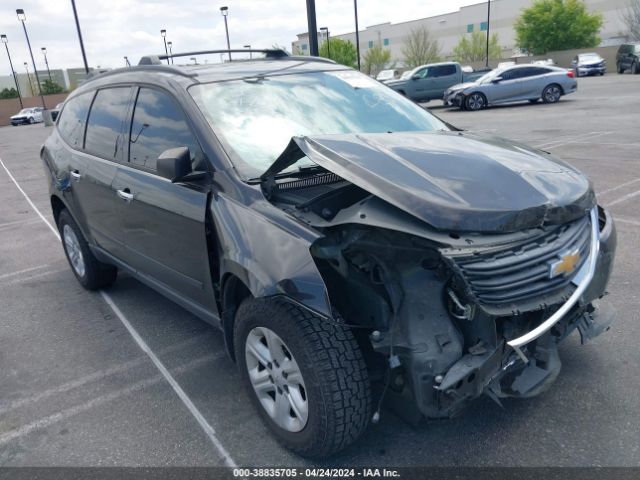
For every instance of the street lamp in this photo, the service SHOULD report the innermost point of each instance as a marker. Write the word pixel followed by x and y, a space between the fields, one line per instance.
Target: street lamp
pixel 26 67
pixel 126 62
pixel 170 44
pixel 163 33
pixel 488 18
pixel 355 10
pixel 4 39
pixel 84 55
pixel 326 36
pixel 22 17
pixel 249 47
pixel 225 12
pixel 195 61
pixel 44 52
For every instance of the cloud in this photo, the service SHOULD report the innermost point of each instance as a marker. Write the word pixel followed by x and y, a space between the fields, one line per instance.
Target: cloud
pixel 115 28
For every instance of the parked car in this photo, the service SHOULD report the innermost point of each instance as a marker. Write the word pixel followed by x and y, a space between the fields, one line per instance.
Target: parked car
pixel 509 63
pixel 589 64
pixel 628 58
pixel 428 82
pixel 386 75
pixel 56 111
pixel 347 243
pixel 549 62
pixel 512 84
pixel 27 116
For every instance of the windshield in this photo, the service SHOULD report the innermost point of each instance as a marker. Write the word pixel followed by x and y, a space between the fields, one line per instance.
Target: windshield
pixel 407 74
pixel 255 118
pixel 24 110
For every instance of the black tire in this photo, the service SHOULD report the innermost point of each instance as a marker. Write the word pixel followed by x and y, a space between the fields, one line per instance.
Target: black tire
pixel 475 101
pixel 551 93
pixel 95 274
pixel 336 382
pixel 635 68
pixel 31 121
pixel 620 69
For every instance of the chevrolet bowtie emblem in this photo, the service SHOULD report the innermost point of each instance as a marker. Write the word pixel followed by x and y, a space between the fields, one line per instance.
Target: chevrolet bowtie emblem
pixel 566 265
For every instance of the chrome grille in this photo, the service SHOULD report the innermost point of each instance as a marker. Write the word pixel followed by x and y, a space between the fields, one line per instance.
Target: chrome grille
pixel 522 273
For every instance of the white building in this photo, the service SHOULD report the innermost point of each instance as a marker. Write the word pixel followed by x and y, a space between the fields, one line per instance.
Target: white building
pixel 449 27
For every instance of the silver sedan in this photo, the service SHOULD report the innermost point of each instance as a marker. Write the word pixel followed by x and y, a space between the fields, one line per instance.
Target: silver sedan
pixel 513 84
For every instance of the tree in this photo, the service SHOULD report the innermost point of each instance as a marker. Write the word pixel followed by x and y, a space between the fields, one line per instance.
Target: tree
pixel 375 59
pixel 50 87
pixel 9 93
pixel 631 18
pixel 342 51
pixel 473 48
pixel 550 25
pixel 419 48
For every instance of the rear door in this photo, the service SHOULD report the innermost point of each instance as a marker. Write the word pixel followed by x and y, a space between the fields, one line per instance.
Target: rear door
pixel 104 149
pixel 164 222
pixel 533 82
pixel 441 78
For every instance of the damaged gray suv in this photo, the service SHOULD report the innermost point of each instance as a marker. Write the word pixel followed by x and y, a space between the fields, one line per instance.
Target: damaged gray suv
pixel 355 250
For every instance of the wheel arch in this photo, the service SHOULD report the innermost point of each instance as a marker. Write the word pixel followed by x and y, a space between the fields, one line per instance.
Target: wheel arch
pixel 57 205
pixel 233 292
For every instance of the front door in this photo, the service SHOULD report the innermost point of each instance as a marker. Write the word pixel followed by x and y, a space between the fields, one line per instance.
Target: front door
pixel 164 222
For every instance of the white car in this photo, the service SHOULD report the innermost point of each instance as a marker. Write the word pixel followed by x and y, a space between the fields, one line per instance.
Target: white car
pixel 386 75
pixel 27 115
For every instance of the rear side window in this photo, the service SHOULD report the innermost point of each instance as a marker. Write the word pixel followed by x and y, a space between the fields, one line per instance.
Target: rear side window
pixel 158 125
pixel 105 127
pixel 443 70
pixel 72 119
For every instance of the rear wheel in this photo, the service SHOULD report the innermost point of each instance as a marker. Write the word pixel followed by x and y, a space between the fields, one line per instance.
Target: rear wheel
pixel 475 101
pixel 551 93
pixel 91 273
pixel 306 376
pixel 635 68
pixel 620 69
pixel 31 121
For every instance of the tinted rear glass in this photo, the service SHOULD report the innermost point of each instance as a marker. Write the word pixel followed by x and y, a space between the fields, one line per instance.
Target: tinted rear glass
pixel 106 123
pixel 443 70
pixel 71 120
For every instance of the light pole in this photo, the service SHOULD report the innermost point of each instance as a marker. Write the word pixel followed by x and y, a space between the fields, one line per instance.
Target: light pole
pixel 170 44
pixel 22 17
pixel 225 12
pixel 126 62
pixel 46 62
pixel 355 11
pixel 249 47
pixel 313 28
pixel 163 33
pixel 26 67
pixel 195 61
pixel 488 18
pixel 4 39
pixel 326 36
pixel 84 55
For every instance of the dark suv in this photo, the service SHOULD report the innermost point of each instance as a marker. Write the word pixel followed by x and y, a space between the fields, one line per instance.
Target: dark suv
pixel 352 247
pixel 628 58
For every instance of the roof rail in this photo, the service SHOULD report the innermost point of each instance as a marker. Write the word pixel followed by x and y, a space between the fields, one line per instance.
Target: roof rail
pixel 157 59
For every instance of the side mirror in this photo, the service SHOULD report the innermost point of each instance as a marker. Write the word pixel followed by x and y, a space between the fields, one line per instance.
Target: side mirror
pixel 496 80
pixel 416 76
pixel 174 164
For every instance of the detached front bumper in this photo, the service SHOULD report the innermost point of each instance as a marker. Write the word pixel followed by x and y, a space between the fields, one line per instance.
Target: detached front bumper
pixel 453 98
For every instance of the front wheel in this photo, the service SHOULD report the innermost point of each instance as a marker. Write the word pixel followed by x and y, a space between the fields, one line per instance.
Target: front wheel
pixel 551 93
pixel 305 375
pixel 620 69
pixel 475 101
pixel 31 121
pixel 91 273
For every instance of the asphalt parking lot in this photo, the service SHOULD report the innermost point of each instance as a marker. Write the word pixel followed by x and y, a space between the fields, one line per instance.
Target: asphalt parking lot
pixel 76 388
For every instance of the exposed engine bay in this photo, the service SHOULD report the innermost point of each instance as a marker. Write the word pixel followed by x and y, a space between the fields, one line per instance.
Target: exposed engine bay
pixel 434 310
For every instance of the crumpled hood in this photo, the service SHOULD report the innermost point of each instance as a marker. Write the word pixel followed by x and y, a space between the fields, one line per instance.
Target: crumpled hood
pixel 16 116
pixel 461 86
pixel 454 181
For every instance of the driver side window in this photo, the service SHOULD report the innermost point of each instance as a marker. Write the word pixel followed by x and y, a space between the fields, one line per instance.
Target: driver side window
pixel 158 125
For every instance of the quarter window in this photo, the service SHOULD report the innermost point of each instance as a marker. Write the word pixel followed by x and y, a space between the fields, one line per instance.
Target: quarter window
pixel 72 119
pixel 158 125
pixel 106 121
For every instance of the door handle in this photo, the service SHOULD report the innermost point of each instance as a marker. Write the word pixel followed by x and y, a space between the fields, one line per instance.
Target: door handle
pixel 75 174
pixel 125 195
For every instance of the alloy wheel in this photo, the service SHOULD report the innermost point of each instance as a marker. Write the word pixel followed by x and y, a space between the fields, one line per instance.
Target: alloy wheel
pixel 552 94
pixel 475 101
pixel 276 379
pixel 72 245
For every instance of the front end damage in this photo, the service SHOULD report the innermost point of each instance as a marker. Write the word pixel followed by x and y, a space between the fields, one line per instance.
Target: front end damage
pixel 443 315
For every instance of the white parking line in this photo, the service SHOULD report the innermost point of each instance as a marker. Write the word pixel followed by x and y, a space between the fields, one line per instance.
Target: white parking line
pixel 18 272
pixel 27 278
pixel 623 198
pixel 575 139
pixel 208 429
pixel 17 223
pixel 627 220
pixel 101 400
pixel 91 377
pixel 622 185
